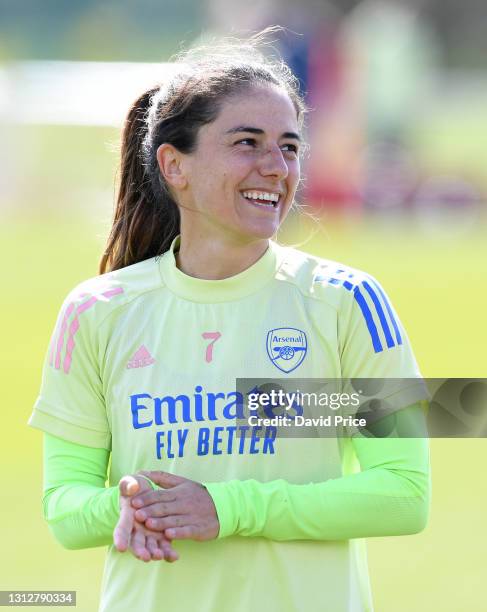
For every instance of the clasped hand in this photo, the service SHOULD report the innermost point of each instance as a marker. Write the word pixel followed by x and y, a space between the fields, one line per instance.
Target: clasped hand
pixel 151 519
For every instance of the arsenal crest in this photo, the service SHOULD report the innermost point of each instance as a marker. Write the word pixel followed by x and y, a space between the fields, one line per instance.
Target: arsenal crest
pixel 286 347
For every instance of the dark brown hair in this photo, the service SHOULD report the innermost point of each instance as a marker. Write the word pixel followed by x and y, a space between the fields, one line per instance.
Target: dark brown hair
pixel 146 218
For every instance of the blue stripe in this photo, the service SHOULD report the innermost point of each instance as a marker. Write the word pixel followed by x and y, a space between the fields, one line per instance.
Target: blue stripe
pixel 348 286
pixel 333 281
pixel 359 298
pixel 391 314
pixel 380 312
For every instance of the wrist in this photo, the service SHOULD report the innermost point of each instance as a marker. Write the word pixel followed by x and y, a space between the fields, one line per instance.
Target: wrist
pixel 221 496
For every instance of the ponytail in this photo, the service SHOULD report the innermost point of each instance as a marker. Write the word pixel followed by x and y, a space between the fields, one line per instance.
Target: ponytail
pixel 144 223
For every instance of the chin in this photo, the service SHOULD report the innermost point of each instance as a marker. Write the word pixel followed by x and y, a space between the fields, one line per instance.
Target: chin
pixel 261 232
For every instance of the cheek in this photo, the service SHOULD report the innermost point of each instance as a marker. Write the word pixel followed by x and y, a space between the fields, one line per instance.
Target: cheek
pixel 292 185
pixel 239 167
pixel 295 173
pixel 204 184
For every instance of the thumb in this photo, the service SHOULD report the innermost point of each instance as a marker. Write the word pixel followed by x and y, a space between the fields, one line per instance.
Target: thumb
pixel 128 486
pixel 164 479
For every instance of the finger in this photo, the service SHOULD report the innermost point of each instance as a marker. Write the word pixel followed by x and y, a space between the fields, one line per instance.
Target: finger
pixel 128 485
pixel 170 555
pixel 123 529
pixel 152 546
pixel 160 510
pixel 188 532
pixel 153 497
pixel 164 479
pixel 138 546
pixel 161 524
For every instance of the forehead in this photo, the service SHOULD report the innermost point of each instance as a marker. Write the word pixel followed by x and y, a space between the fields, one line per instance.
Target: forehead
pixel 267 108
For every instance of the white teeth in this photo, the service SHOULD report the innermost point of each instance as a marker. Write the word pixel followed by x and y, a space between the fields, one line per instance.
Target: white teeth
pixel 262 195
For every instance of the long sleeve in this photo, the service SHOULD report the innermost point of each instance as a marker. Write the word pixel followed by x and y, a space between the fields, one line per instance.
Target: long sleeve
pixel 80 511
pixel 389 496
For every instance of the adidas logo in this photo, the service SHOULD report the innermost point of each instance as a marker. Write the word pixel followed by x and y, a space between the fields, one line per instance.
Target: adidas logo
pixel 140 359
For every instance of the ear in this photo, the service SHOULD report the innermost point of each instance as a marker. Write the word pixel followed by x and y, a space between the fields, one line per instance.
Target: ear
pixel 171 166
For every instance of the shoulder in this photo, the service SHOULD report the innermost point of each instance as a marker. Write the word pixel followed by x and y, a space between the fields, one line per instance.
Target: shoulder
pixel 101 295
pixel 363 308
pixel 322 279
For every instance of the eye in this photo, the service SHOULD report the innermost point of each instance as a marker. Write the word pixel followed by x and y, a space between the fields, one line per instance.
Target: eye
pixel 247 141
pixel 292 148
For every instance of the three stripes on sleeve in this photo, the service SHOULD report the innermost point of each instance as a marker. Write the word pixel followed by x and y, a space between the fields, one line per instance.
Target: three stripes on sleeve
pixel 68 325
pixel 374 306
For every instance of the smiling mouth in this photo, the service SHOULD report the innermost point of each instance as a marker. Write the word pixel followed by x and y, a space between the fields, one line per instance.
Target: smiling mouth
pixel 262 199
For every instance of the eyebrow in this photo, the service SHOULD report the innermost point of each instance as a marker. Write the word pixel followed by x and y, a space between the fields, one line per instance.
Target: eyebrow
pixel 254 130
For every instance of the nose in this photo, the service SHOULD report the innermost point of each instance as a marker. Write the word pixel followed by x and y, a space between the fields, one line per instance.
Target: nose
pixel 273 163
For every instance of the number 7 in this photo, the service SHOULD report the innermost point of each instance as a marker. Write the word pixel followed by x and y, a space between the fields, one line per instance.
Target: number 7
pixel 213 336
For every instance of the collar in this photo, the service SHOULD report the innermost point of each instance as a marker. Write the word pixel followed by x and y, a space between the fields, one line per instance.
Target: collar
pixel 224 290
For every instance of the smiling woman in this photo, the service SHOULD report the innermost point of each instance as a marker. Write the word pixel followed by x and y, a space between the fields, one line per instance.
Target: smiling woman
pixel 254 144
pixel 141 369
pixel 242 117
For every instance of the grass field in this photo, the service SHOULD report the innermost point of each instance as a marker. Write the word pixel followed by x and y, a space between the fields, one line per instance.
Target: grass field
pixel 438 286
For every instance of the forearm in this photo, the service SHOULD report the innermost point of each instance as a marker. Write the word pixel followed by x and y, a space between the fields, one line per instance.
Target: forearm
pixel 80 511
pixel 389 497
pixel 80 516
pixel 374 503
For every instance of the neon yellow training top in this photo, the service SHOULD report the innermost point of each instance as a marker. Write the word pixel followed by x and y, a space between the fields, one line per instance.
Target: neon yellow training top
pixel 143 363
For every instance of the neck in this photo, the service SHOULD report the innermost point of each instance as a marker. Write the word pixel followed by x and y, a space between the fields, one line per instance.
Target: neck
pixel 215 259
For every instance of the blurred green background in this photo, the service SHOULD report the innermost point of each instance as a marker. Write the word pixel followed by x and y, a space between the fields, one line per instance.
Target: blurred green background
pixel 425 242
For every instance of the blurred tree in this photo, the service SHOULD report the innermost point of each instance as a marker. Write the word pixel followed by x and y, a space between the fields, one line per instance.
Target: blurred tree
pixel 461 26
pixel 97 30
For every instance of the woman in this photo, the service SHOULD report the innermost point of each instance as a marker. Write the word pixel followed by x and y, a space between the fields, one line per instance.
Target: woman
pixel 142 367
